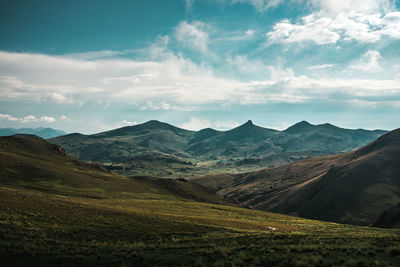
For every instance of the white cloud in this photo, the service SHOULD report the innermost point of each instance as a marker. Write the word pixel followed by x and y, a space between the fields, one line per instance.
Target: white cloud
pixel 175 83
pixel 63 117
pixel 226 125
pixel 365 6
pixel 249 67
pixel 129 123
pixel 193 35
pixel 58 98
pixel 31 118
pixel 27 119
pixel 8 117
pixel 362 21
pixel 250 32
pixel 278 73
pixel 369 62
pixel 47 119
pixel 158 106
pixel 196 124
pixel 310 29
pixel 159 50
pixel 323 66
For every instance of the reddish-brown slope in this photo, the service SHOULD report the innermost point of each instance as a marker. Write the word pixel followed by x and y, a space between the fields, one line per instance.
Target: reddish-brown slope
pixel 355 187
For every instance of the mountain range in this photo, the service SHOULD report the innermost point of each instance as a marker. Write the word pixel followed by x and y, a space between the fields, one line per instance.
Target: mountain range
pixel 159 149
pixel 41 132
pixel 359 187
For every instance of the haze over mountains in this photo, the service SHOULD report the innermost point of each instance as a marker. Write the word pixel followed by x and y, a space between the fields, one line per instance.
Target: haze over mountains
pixel 160 149
pixel 355 187
pixel 40 131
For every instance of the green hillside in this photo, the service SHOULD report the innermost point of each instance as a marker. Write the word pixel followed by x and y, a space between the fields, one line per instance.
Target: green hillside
pixel 176 152
pixel 55 210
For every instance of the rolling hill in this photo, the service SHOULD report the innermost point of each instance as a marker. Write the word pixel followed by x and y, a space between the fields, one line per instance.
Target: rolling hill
pixel 29 162
pixel 41 132
pixel 244 148
pixel 57 210
pixel 356 187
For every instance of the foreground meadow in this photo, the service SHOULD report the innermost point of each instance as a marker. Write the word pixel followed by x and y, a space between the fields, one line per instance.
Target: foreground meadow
pixel 154 229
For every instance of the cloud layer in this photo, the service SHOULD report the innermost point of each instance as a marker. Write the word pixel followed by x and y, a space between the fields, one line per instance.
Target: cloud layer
pixel 27 119
pixel 173 84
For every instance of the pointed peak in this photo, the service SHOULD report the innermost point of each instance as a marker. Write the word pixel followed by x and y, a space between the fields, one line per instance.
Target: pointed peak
pixel 249 122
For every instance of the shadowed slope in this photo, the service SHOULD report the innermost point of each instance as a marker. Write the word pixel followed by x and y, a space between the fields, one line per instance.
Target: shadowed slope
pixel 121 144
pixel 352 188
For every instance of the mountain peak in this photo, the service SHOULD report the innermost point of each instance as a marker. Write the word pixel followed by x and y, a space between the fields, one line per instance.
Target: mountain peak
pixel 298 127
pixel 248 124
pixel 303 123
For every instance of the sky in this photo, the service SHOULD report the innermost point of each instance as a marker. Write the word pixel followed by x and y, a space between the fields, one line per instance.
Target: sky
pixel 91 66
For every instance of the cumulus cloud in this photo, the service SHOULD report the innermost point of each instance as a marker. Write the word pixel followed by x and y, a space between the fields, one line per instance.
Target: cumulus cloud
pixel 31 118
pixel 369 62
pixel 332 7
pixel 226 125
pixel 8 117
pixel 310 29
pixel 196 124
pixel 129 123
pixel 250 32
pixel 158 106
pixel 63 117
pixel 193 35
pixel 361 21
pixel 47 119
pixel 27 119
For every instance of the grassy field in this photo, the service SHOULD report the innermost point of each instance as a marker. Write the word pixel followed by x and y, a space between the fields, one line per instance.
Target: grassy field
pixel 56 210
pixel 153 229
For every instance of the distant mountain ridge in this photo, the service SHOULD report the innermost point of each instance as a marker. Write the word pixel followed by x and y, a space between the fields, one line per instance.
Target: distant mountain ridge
pixel 246 147
pixel 41 132
pixel 359 187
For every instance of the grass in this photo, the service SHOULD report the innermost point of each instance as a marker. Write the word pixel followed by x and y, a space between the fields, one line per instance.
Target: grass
pixel 55 210
pixel 46 229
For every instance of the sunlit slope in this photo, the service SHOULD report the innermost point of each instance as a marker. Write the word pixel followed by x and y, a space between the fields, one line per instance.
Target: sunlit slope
pixel 44 229
pixel 30 162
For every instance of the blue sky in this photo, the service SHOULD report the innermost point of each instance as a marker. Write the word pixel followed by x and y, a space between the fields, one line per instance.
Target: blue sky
pixel 90 66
